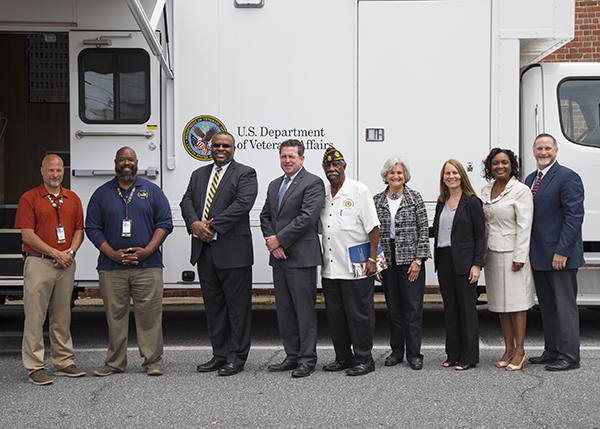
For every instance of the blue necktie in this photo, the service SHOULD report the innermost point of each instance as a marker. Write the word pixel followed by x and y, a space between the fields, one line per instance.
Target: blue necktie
pixel 286 182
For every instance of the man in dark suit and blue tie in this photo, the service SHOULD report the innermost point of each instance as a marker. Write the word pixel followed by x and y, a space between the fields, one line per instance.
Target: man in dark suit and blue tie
pixel 556 252
pixel 216 207
pixel 289 224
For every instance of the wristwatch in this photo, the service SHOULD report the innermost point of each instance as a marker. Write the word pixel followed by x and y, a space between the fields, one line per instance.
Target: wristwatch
pixel 73 253
pixel 418 262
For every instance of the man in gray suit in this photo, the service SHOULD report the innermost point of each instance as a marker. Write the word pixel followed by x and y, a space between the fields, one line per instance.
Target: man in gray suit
pixel 216 209
pixel 289 224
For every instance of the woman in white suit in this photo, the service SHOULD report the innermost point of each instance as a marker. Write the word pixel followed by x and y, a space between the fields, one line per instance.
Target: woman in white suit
pixel 508 209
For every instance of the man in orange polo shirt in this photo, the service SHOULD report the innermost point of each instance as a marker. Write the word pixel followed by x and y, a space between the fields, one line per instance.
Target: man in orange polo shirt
pixel 51 221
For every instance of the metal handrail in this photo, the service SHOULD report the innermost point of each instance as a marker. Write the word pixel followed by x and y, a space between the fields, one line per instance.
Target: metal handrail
pixel 81 134
pixel 151 172
pixel 5 119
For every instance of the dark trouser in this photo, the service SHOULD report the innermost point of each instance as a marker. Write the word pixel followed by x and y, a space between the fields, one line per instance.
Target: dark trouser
pixel 295 297
pixel 404 301
pixel 228 302
pixel 557 295
pixel 460 311
pixel 351 317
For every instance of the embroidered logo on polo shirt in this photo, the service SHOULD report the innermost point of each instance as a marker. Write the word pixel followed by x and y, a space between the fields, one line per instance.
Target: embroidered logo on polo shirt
pixel 142 194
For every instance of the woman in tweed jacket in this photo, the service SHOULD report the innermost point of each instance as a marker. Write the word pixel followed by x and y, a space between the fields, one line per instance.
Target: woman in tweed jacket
pixel 405 243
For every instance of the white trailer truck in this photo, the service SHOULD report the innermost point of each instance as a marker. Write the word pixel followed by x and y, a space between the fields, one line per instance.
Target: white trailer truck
pixel 427 80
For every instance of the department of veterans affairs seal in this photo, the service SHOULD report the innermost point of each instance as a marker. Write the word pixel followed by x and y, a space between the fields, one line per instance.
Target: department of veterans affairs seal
pixel 197 136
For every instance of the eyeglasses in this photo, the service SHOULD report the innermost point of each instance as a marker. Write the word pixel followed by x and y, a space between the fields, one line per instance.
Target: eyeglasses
pixel 224 146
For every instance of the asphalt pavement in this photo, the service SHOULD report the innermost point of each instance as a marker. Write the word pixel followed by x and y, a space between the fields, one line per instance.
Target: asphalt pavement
pixel 390 397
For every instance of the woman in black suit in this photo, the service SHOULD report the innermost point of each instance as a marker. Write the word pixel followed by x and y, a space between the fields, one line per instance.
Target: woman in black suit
pixel 459 231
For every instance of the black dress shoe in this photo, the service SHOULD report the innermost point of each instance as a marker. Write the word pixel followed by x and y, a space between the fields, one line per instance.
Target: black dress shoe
pixel 562 365
pixel 212 365
pixel 416 363
pixel 303 370
pixel 392 360
pixel 340 365
pixel 541 359
pixel 362 368
pixel 286 365
pixel 230 369
pixel 466 367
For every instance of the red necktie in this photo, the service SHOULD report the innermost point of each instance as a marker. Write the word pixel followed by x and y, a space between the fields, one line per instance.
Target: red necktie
pixel 537 184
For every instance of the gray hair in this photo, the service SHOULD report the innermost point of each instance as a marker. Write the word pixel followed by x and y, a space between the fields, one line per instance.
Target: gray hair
pixel 391 163
pixel 546 135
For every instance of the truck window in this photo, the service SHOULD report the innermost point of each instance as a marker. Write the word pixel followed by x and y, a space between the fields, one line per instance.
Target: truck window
pixel 114 86
pixel 579 110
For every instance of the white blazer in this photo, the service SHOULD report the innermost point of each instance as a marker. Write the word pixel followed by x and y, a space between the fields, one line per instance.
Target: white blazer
pixel 508 219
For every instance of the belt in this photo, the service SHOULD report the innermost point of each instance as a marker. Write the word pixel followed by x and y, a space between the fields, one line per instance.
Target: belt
pixel 38 255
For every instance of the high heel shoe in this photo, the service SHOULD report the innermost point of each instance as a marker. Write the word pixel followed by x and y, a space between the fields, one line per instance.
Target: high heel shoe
pixel 503 364
pixel 511 367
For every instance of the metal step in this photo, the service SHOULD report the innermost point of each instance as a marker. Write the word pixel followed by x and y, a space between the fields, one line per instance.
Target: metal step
pixel 11 266
pixel 7 215
pixel 10 241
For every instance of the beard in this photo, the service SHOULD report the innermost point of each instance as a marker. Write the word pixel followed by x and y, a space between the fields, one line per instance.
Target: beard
pixel 126 177
pixel 544 162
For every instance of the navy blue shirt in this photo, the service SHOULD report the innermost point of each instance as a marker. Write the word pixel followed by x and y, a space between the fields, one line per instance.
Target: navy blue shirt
pixel 148 210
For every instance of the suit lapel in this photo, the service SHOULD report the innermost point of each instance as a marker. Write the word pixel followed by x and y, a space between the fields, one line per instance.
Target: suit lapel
pixel 459 209
pixel 275 193
pixel 292 186
pixel 529 179
pixel 204 178
pixel 224 180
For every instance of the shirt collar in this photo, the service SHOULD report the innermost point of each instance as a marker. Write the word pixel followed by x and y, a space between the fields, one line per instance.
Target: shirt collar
pixel 114 183
pixel 43 191
pixel 292 177
pixel 342 190
pixel 545 170
pixel 223 167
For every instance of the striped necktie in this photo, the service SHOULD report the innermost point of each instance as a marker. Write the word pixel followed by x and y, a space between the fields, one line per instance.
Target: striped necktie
pixel 211 193
pixel 537 184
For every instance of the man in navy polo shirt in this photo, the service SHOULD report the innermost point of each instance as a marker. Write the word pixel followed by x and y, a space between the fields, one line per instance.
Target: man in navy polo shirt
pixel 128 218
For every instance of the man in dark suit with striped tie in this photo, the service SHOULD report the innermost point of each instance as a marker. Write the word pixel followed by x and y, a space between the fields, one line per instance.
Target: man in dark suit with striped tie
pixel 556 252
pixel 216 207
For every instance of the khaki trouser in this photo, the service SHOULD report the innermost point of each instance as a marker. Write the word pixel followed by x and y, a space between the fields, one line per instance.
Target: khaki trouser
pixel 47 288
pixel 146 288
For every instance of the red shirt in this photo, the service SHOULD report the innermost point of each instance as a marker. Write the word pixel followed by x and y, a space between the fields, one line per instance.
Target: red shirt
pixel 36 212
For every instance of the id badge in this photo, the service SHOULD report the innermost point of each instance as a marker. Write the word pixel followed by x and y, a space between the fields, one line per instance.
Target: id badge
pixel 60 235
pixel 126 230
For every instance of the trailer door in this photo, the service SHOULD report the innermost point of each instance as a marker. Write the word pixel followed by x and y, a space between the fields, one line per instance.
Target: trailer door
pixel 423 88
pixel 114 93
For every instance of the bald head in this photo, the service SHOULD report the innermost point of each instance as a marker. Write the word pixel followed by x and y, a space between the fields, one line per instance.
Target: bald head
pixel 52 171
pixel 52 158
pixel 126 165
pixel 126 151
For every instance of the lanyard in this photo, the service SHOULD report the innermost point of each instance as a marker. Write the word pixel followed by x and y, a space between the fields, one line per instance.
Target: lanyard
pixel 126 201
pixel 56 206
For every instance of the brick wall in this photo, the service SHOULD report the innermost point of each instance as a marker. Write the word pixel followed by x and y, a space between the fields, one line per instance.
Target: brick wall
pixel 585 46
